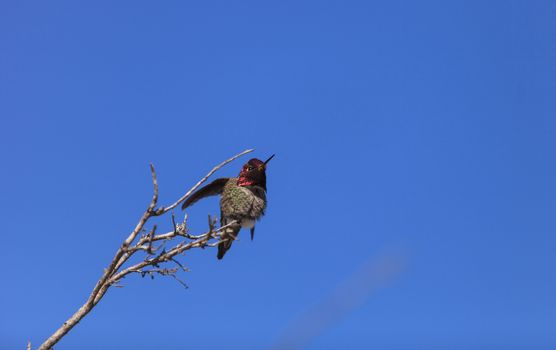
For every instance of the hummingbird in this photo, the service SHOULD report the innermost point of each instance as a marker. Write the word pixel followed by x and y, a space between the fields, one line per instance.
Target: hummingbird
pixel 243 200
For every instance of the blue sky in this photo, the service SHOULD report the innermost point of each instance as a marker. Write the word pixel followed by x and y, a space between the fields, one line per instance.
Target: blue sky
pixel 426 128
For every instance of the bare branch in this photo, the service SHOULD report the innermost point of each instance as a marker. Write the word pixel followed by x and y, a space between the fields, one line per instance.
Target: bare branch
pixel 155 189
pixel 166 256
pixel 150 265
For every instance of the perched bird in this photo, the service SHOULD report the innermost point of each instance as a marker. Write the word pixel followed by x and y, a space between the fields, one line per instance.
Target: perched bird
pixel 243 200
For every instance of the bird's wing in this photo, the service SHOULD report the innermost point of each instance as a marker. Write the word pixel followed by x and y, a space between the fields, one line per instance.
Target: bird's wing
pixel 212 189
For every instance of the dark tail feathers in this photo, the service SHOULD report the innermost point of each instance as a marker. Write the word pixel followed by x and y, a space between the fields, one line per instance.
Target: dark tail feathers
pixel 230 235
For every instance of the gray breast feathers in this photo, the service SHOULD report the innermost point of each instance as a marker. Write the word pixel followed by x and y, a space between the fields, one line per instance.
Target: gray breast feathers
pixel 243 202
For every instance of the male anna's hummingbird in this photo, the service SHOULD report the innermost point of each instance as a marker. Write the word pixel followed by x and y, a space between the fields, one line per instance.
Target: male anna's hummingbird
pixel 243 200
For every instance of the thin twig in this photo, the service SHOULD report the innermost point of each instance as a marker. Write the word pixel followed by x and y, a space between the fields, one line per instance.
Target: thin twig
pixel 215 169
pixel 150 239
pixel 174 223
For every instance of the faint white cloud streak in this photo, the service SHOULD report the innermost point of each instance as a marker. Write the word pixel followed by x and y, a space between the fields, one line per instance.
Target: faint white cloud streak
pixel 375 273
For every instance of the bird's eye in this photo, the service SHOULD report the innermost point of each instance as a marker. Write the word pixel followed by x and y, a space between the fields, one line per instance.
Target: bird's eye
pixel 249 168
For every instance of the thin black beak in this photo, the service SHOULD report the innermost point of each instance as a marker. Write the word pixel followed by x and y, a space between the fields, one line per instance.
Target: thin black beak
pixel 268 160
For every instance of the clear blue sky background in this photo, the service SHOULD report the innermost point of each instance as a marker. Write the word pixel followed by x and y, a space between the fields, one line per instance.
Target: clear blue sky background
pixel 423 126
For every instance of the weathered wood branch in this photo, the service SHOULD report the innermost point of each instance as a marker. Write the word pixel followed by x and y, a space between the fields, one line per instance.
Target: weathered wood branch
pixel 145 243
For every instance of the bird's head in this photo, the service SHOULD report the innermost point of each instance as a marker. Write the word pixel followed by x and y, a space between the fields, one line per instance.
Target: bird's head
pixel 253 173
